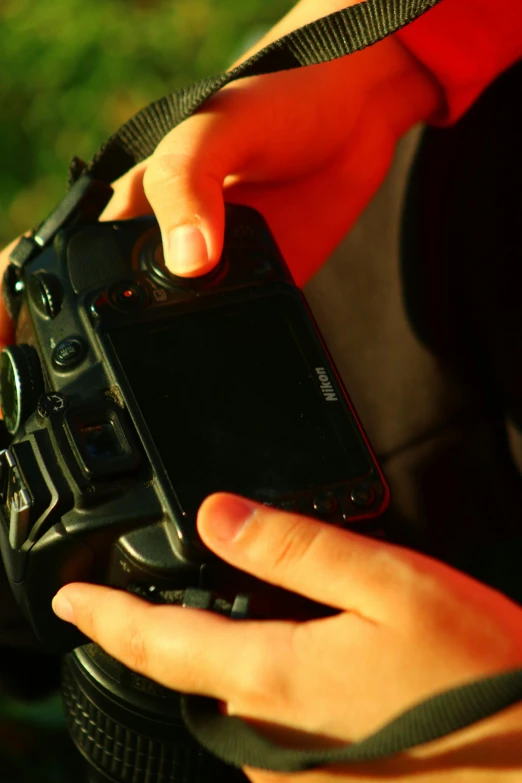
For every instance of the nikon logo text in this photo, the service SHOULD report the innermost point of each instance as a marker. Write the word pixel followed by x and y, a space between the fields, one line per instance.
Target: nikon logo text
pixel 326 387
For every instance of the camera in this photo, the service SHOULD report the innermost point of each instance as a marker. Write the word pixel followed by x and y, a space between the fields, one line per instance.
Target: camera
pixel 130 395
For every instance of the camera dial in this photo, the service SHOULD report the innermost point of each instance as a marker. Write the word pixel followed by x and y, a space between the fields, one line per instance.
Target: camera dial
pixel 21 384
pixel 153 261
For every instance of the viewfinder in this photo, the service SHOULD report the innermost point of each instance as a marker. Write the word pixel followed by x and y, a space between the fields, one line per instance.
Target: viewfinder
pixel 100 441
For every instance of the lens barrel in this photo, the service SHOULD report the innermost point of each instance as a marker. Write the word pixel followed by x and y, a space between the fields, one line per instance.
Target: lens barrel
pixel 129 728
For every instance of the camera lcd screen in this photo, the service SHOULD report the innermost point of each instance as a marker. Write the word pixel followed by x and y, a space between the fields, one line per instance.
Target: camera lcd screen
pixel 233 402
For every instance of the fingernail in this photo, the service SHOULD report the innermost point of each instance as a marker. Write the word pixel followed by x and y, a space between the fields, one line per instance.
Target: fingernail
pixel 186 250
pixel 229 517
pixel 62 608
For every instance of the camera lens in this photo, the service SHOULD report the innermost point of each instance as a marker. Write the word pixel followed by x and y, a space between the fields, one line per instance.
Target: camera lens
pixel 130 728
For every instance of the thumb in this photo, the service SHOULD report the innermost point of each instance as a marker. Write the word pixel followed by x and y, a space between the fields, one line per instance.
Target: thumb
pixel 315 559
pixel 185 192
pixel 232 139
pixel 183 183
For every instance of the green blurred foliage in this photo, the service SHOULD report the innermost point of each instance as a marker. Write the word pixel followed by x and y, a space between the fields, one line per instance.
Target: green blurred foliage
pixel 71 72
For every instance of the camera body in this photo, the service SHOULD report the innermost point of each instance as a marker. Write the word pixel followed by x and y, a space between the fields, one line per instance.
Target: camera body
pixel 132 394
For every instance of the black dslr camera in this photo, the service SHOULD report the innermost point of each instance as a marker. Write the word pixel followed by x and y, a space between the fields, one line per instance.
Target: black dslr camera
pixel 131 395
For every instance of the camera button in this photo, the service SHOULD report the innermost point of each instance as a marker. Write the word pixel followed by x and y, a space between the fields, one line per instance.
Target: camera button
pixel 128 296
pixel 46 293
pixel 68 353
pixel 326 503
pixel 263 268
pixel 261 262
pixel 362 496
pixel 51 403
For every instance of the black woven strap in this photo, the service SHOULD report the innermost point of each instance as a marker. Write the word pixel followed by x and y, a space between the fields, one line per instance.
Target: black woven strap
pixel 230 738
pixel 333 36
pixel 238 744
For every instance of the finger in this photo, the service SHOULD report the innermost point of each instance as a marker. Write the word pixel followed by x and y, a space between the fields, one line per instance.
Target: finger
pixel 183 183
pixel 189 650
pixel 4 254
pixel 6 325
pixel 239 134
pixel 312 558
pixel 128 199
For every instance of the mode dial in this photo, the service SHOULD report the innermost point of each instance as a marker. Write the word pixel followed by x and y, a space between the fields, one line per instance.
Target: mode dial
pixel 46 292
pixel 21 384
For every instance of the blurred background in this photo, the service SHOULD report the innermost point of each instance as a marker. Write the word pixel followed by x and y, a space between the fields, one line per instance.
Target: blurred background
pixel 71 72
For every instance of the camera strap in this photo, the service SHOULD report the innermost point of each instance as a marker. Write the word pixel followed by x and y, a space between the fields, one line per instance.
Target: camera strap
pixel 340 33
pixel 344 32
pixel 238 744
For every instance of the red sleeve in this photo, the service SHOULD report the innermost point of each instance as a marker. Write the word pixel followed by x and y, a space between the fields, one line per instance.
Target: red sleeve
pixel 466 44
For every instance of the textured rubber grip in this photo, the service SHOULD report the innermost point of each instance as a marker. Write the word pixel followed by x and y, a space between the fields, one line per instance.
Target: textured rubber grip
pixel 124 754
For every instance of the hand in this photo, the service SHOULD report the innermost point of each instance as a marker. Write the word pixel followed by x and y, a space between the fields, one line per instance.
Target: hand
pixel 408 626
pixel 308 148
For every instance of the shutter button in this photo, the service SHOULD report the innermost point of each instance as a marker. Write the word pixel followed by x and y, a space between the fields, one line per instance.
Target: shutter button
pixel 68 353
